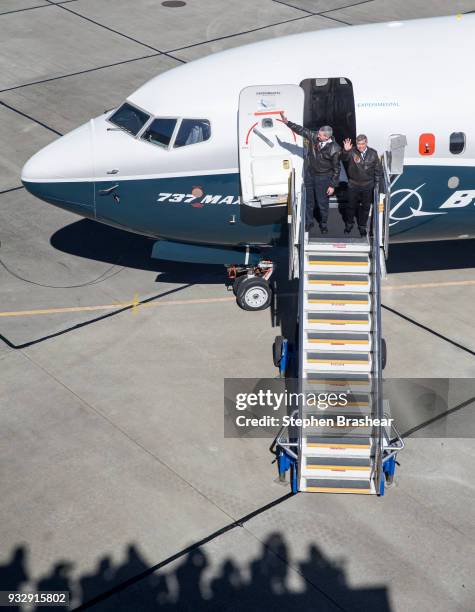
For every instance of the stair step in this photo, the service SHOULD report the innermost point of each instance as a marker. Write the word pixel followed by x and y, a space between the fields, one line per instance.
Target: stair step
pixel 337 262
pixel 337 382
pixel 326 446
pixel 320 361
pixel 337 282
pixel 337 341
pixel 344 321
pixel 333 485
pixel 337 431
pixel 356 381
pixel 336 467
pixel 340 245
pixel 338 462
pixel 347 401
pixel 316 301
pixel 354 411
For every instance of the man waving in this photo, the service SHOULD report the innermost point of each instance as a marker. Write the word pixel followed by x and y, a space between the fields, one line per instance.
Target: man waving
pixel 364 171
pixel 323 171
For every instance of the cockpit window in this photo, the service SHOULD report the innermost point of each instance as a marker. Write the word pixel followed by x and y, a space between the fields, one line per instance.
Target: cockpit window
pixel 129 118
pixel 192 131
pixel 160 132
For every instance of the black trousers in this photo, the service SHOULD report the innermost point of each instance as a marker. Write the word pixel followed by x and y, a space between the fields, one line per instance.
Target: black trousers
pixel 358 205
pixel 316 186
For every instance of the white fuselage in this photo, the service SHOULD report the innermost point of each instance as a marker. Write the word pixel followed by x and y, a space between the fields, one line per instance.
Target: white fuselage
pixel 408 78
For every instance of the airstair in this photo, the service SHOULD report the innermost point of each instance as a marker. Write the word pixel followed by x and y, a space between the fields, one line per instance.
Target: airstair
pixel 338 322
pixel 344 442
pixel 347 442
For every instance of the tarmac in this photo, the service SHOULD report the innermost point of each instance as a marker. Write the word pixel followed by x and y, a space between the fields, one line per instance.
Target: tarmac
pixel 116 481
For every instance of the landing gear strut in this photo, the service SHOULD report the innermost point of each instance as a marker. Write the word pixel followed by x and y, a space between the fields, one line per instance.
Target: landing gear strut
pixel 251 285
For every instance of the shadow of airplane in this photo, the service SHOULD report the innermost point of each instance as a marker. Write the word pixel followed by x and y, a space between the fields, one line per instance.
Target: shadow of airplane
pixel 431 256
pixel 99 242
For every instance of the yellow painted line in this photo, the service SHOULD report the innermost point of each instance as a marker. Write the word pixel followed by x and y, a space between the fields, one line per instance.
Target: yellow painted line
pixel 464 283
pixel 336 490
pixel 47 311
pixel 134 304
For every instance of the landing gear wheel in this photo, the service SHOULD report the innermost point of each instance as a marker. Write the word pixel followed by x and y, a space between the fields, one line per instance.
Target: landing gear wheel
pixel 277 350
pixel 384 353
pixel 237 283
pixel 254 294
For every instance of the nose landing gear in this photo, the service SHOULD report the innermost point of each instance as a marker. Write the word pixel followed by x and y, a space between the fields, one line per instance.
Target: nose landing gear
pixel 251 285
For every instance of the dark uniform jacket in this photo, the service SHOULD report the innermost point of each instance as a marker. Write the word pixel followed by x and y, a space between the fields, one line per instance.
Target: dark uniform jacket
pixel 362 173
pixel 322 161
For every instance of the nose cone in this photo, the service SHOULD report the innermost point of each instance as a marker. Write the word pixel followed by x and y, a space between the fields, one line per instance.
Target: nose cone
pixel 63 172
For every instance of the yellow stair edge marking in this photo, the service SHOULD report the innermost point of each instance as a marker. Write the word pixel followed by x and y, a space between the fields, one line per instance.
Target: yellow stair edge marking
pixel 338 468
pixel 339 283
pixel 313 301
pixel 339 321
pixel 342 361
pixel 329 341
pixel 318 262
pixel 336 490
pixel 336 382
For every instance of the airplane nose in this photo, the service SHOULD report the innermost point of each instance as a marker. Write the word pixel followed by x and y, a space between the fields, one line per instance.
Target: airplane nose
pixel 63 172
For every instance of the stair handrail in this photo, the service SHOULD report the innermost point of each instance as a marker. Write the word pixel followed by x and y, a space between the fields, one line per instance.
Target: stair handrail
pixel 377 386
pixel 301 322
pixel 294 209
pixel 387 202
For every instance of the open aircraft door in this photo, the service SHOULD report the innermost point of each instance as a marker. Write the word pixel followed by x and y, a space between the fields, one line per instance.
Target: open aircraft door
pixel 269 151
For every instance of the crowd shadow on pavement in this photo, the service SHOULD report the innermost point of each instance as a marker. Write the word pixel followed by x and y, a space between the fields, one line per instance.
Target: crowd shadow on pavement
pixel 194 583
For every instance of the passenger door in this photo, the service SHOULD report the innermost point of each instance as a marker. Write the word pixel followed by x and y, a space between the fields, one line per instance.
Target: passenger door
pixel 268 149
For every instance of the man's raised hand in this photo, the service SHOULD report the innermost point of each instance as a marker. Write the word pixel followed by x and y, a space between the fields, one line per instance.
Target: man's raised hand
pixel 347 144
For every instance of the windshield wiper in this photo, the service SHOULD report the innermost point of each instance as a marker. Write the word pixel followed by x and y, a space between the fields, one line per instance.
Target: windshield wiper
pixel 119 127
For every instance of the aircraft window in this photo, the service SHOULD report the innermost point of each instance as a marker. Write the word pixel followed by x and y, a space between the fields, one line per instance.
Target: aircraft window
pixel 160 132
pixel 192 131
pixel 426 144
pixel 457 142
pixel 129 118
